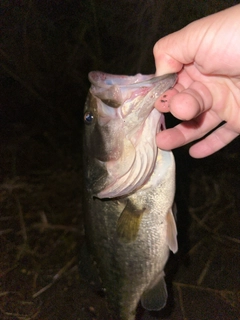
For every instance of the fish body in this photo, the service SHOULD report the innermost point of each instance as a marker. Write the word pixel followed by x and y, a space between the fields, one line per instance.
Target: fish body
pixel 130 186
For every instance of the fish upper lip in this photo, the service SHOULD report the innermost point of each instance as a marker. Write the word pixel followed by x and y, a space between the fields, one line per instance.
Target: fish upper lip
pixel 153 80
pixel 99 79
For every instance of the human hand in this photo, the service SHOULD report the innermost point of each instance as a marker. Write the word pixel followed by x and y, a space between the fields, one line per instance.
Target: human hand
pixel 206 55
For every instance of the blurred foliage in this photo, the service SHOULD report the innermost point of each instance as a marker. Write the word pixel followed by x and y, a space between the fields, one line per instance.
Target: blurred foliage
pixel 48 48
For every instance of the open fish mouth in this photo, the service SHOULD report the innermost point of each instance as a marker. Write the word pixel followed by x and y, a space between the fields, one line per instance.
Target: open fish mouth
pixel 127 123
pixel 119 88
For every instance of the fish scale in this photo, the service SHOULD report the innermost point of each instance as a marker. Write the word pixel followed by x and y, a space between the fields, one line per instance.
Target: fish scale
pixel 129 229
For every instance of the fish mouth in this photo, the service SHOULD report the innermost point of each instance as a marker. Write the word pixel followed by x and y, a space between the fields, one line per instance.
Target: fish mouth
pixel 128 103
pixel 114 90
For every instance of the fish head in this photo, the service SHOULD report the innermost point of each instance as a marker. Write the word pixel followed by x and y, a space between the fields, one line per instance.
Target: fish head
pixel 120 128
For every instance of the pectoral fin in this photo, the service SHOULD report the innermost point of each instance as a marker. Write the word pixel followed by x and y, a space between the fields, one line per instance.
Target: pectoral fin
pixel 129 222
pixel 155 298
pixel 171 232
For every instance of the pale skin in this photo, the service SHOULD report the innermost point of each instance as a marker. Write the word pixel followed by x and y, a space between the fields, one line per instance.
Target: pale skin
pixel 206 56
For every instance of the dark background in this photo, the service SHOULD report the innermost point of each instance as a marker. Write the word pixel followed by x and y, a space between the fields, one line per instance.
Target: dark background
pixel 47 49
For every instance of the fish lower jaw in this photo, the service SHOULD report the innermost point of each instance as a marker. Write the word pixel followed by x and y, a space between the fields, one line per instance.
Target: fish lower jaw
pixel 137 175
pixel 124 188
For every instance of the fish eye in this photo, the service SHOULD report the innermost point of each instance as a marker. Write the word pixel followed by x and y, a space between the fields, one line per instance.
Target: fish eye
pixel 88 117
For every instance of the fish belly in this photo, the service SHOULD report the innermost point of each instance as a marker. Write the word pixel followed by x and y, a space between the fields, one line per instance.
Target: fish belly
pixel 128 268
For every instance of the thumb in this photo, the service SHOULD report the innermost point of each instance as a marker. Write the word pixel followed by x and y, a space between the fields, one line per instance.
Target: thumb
pixel 166 60
pixel 179 48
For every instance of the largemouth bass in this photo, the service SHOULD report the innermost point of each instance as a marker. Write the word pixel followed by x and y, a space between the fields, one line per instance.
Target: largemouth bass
pixel 130 186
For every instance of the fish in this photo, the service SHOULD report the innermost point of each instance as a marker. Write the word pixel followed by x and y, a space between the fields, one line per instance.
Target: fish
pixel 129 190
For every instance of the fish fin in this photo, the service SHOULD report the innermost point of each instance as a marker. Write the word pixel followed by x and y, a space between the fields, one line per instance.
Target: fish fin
pixel 129 222
pixel 155 298
pixel 171 232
